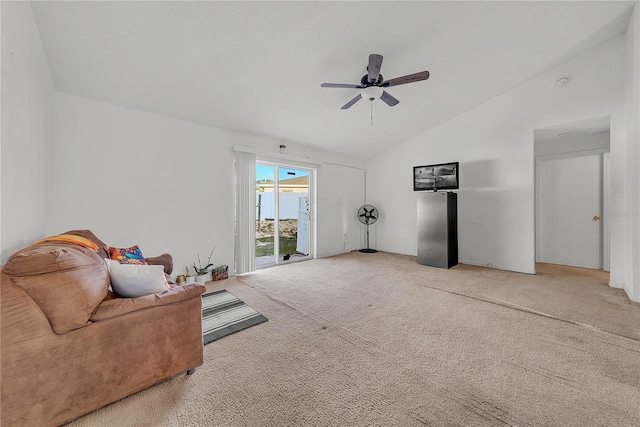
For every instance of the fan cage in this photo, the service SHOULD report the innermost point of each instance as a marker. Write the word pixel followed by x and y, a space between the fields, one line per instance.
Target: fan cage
pixel 368 215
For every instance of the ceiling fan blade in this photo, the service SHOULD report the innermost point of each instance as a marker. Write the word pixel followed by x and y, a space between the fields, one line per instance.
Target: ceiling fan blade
pixel 416 77
pixel 341 85
pixel 388 99
pixel 353 101
pixel 375 62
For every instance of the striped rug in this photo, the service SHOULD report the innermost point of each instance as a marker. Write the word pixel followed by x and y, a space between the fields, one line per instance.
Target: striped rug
pixel 223 314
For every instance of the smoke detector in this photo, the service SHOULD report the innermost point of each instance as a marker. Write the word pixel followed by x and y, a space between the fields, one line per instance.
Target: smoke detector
pixel 562 81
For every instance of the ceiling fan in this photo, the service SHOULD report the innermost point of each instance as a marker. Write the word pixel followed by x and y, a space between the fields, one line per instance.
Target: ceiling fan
pixel 375 79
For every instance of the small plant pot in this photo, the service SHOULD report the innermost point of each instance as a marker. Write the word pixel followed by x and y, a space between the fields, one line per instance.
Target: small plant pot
pixel 191 279
pixel 221 273
pixel 204 278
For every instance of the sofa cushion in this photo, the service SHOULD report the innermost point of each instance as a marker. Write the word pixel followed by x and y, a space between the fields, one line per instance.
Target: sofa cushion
pixel 67 281
pixel 165 260
pixel 121 306
pixel 131 281
pixel 88 234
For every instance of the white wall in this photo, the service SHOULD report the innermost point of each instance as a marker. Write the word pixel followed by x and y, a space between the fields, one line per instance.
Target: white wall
pixel 626 214
pixel 340 194
pixel 572 144
pixel 165 184
pixel 494 144
pixel 27 90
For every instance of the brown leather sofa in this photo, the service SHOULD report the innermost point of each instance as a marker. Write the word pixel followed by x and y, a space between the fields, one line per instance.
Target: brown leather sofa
pixel 69 347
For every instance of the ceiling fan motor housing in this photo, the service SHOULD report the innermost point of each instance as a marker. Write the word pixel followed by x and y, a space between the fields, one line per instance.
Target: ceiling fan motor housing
pixel 364 82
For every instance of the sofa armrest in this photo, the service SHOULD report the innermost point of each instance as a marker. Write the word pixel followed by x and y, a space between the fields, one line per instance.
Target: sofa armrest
pixel 165 260
pixel 121 306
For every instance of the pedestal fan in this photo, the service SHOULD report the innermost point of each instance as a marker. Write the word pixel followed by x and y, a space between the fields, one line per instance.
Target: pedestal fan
pixel 368 214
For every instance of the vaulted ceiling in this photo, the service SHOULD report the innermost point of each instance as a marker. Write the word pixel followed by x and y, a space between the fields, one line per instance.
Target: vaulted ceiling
pixel 256 67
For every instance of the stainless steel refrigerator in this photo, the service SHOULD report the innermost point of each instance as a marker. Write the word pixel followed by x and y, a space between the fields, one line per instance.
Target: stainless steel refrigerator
pixel 438 229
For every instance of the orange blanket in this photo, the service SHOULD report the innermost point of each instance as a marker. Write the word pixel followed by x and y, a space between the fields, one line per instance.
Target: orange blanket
pixel 68 238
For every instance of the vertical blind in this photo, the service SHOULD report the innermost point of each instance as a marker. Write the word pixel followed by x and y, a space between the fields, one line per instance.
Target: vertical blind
pixel 245 211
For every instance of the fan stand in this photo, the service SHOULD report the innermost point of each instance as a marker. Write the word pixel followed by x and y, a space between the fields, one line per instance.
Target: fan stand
pixel 367 250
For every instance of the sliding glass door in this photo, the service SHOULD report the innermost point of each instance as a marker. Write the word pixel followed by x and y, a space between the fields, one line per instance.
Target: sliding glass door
pixel 283 221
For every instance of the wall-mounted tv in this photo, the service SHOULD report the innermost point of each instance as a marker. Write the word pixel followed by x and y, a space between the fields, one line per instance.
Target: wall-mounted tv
pixel 443 176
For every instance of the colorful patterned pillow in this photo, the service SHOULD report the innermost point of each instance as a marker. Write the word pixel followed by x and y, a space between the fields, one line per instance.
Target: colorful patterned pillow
pixel 131 255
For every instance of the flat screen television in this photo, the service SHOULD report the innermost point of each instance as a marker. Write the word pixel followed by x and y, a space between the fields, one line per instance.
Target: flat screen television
pixel 443 176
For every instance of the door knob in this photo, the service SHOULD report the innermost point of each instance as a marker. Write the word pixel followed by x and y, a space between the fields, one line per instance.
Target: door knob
pixel 596 217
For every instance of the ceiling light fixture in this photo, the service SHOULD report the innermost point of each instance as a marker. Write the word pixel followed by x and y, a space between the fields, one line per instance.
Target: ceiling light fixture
pixel 372 92
pixel 562 81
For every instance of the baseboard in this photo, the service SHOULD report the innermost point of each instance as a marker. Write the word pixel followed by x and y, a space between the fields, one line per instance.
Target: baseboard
pixel 625 288
pixel 632 297
pixel 318 256
pixel 613 285
pixel 498 267
pixel 324 255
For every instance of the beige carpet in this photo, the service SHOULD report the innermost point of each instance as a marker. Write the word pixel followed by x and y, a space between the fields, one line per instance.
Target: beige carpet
pixel 378 340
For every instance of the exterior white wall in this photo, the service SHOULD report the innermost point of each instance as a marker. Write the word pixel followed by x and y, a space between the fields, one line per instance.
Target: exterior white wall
pixel 494 144
pixel 288 208
pixel 27 91
pixel 165 184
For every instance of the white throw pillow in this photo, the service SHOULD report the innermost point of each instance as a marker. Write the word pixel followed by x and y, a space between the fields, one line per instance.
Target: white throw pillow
pixel 131 280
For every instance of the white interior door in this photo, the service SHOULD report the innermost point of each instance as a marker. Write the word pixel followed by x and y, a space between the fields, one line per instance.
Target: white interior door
pixel 570 211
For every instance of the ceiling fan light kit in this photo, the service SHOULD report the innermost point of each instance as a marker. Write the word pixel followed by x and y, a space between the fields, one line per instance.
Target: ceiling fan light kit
pixel 372 83
pixel 372 92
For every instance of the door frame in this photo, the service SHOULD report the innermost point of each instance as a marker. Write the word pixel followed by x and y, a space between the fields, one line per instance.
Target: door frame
pixel 604 188
pixel 312 207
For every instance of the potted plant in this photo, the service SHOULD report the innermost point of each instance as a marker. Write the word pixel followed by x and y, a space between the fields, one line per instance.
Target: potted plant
pixel 220 273
pixel 203 274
